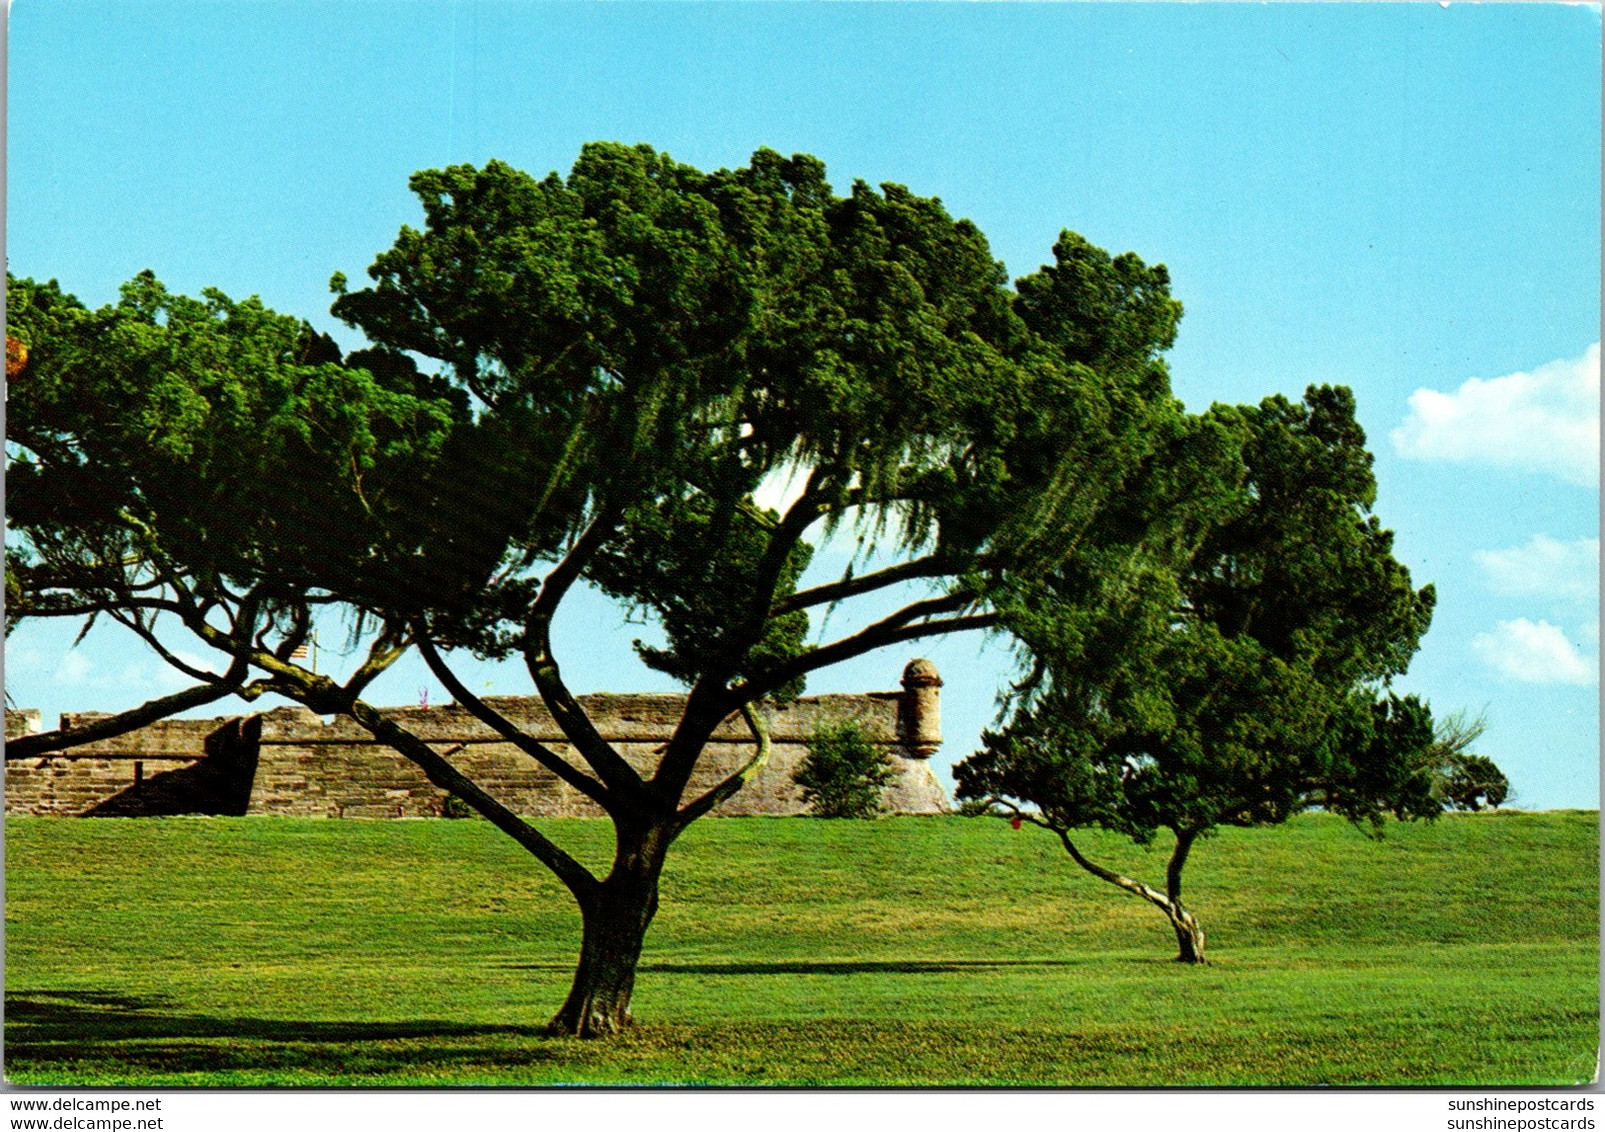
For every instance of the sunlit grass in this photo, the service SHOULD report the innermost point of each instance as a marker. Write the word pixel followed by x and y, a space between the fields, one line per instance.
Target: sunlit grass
pixel 926 951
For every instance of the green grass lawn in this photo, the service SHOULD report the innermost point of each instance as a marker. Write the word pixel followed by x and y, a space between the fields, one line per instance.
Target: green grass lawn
pixel 910 951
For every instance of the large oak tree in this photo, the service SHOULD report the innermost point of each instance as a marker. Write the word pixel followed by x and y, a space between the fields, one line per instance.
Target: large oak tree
pixel 584 380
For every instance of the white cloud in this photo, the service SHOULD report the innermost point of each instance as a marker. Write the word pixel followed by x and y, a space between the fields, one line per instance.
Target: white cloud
pixel 1535 654
pixel 1546 421
pixel 74 668
pixel 1545 567
pixel 136 675
pixel 781 488
pixel 163 676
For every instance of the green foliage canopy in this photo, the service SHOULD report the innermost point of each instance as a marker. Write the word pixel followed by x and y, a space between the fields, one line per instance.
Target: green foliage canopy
pixel 676 337
pixel 1239 683
pixel 164 448
pixel 1236 681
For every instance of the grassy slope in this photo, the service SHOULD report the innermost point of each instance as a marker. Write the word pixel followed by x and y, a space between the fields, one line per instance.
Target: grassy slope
pixel 791 951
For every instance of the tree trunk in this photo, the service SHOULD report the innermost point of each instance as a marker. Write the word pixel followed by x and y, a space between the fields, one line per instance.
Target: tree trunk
pixel 615 921
pixel 1189 936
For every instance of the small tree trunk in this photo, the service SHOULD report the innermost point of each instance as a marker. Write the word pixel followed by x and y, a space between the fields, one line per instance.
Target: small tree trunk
pixel 615 921
pixel 1189 936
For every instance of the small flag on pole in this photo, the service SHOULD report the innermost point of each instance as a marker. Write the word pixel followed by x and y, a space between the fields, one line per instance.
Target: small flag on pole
pixel 308 651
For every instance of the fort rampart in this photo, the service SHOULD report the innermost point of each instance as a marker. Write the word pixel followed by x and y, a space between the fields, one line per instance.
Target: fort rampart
pixel 289 761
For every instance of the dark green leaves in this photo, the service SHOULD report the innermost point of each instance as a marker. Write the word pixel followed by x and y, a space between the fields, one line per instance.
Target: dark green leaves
pixel 1222 668
pixel 646 341
pixel 843 774
pixel 1100 312
pixel 201 437
pixel 1303 568
pixel 608 308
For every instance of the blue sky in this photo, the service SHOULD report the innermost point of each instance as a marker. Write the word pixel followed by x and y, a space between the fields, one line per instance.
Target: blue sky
pixel 1401 198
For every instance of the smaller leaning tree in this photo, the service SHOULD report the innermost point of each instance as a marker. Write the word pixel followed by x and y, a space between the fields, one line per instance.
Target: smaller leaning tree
pixel 1236 679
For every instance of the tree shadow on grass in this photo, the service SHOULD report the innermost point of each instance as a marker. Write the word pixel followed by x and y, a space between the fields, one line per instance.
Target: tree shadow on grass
pixel 98 1032
pixel 857 967
pixel 851 967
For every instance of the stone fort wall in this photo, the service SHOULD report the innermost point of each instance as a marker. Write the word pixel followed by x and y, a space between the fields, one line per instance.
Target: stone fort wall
pixel 289 761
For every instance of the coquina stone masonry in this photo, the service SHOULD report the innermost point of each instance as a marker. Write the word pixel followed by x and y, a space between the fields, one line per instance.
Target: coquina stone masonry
pixel 289 761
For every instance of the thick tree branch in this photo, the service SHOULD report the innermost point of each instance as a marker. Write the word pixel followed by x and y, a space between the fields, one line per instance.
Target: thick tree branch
pixel 728 788
pixel 152 711
pixel 888 631
pixel 48 605
pixel 557 583
pixel 319 693
pixel 706 706
pixel 606 763
pixel 1178 859
pixel 389 647
pixel 322 695
pixel 439 771
pixel 782 542
pixel 931 566
pixel 1189 935
pixel 1119 880
pixel 710 701
pixel 508 730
